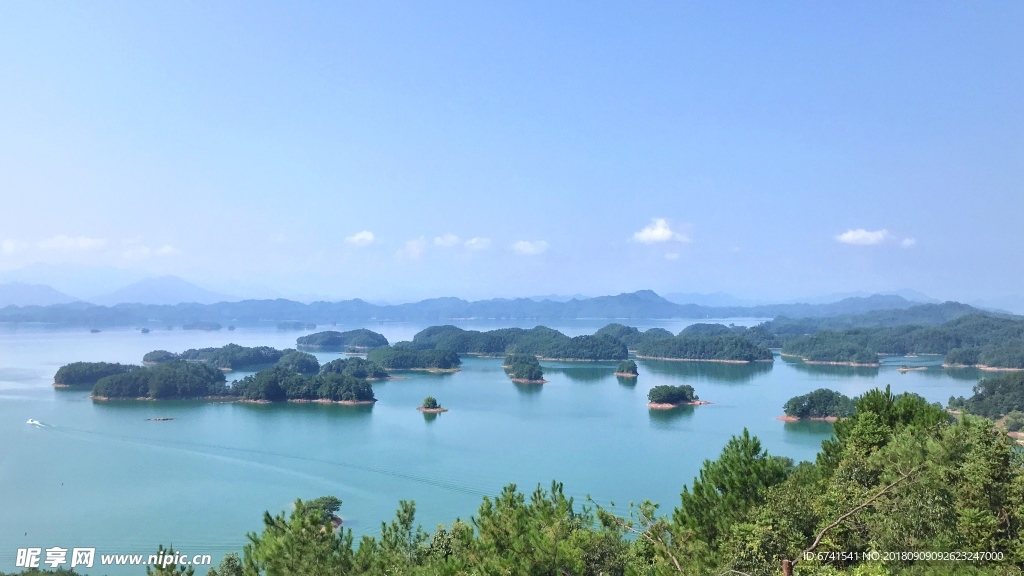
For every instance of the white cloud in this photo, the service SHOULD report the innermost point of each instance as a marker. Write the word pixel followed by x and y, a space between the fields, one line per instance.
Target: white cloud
pixel 908 242
pixel 136 253
pixel 70 243
pixel 478 243
pixel 658 231
pixel 446 241
pixel 414 248
pixel 672 256
pixel 362 238
pixel 10 246
pixel 166 250
pixel 862 237
pixel 530 248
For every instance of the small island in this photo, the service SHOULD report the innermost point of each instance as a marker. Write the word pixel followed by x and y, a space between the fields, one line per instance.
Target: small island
pixel 174 380
pixel 361 340
pixel 227 357
pixel 524 369
pixel 831 347
pixel 79 374
pixel 668 397
pixel 728 348
pixel 627 369
pixel 430 406
pixel 821 404
pixel 903 369
pixel 357 368
pixel 405 356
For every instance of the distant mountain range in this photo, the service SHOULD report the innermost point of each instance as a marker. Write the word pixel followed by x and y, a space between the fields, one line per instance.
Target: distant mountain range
pixel 162 290
pixel 643 304
pixel 24 294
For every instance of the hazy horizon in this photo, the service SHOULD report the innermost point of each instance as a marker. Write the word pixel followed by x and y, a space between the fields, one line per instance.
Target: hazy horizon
pixel 394 152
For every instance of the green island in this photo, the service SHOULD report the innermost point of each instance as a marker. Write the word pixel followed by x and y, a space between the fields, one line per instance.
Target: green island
pixel 297 377
pixel 747 511
pixel 359 340
pixel 355 367
pixel 715 348
pixel 431 406
pixel 87 373
pixel 821 404
pixel 543 342
pixel 993 397
pixel 173 380
pixel 830 347
pixel 402 357
pixel 279 383
pixel 983 340
pixel 665 397
pixel 627 369
pixel 524 369
pixel 227 357
pixel 632 337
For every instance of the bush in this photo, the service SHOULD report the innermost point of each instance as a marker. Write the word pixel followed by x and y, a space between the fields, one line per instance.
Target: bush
pixel 627 367
pixel 671 394
pixel 430 403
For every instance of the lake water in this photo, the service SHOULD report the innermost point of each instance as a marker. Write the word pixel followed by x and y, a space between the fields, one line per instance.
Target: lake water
pixel 101 475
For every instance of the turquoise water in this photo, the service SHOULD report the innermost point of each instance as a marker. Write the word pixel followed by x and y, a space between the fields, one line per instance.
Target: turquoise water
pixel 100 475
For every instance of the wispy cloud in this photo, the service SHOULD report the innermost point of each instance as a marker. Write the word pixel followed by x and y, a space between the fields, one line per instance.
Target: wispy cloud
pixel 11 246
pixel 658 231
pixel 72 243
pixel 414 248
pixel 672 256
pixel 446 241
pixel 478 243
pixel 530 248
pixel 862 237
pixel 362 238
pixel 908 242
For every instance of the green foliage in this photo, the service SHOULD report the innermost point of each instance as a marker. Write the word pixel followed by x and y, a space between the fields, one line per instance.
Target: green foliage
pixel 727 488
pixel 430 403
pixel 304 543
pixel 820 403
pixel 360 339
pixel 633 337
pixel 523 367
pixel 539 341
pixel 402 358
pixel 234 357
pixel 170 569
pixel 158 356
pixel 176 379
pixel 1014 421
pixel 665 394
pixel 280 383
pixel 301 362
pixel 88 373
pixel 627 367
pixel 994 396
pixel 831 346
pixel 726 347
pixel 355 367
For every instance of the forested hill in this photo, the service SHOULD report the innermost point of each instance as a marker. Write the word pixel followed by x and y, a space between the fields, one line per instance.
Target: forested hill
pixel 635 305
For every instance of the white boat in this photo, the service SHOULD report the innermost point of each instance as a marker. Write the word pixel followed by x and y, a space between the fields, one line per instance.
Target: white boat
pixel 34 422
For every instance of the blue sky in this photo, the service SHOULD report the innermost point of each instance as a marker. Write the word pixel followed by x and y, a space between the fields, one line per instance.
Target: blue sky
pixel 397 151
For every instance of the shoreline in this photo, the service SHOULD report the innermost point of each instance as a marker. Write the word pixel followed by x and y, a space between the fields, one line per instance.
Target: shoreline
pixel 905 369
pixel 984 368
pixel 437 410
pixel 790 419
pixel 833 363
pixel 666 406
pixel 639 357
pixel 528 381
pixel 626 375
pixel 431 370
pixel 236 399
